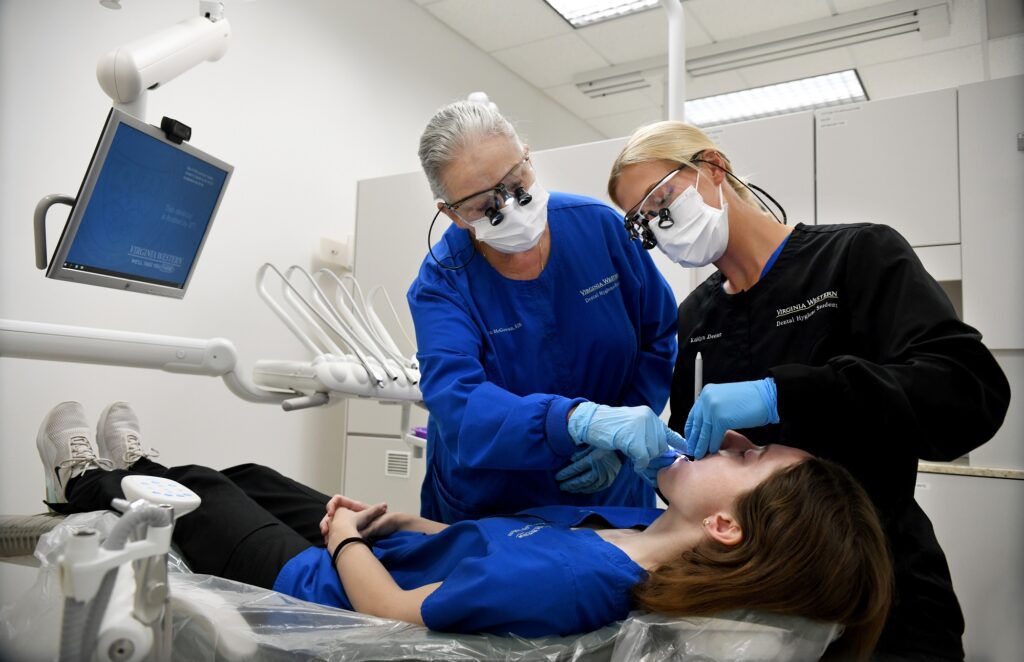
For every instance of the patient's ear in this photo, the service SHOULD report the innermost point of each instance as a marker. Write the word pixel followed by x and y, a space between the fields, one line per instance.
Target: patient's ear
pixel 724 528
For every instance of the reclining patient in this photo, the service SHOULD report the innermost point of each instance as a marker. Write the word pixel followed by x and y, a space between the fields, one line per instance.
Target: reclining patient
pixel 765 528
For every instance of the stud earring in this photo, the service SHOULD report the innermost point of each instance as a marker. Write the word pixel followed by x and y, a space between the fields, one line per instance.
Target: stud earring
pixel 707 521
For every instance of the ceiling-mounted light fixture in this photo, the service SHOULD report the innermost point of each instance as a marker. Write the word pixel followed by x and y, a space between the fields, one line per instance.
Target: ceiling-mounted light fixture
pixel 790 97
pixel 928 17
pixel 580 13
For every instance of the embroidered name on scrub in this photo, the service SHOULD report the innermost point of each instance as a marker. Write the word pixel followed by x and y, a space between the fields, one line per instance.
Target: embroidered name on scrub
pixel 599 289
pixel 707 336
pixel 527 531
pixel 506 329
pixel 803 311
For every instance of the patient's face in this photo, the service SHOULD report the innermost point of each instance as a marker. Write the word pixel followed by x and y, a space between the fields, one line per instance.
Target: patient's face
pixel 715 482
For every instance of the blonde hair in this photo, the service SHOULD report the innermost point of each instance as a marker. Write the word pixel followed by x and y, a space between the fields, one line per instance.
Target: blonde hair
pixel 670 141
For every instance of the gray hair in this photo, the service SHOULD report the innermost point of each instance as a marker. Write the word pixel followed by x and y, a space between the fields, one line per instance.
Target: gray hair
pixel 450 130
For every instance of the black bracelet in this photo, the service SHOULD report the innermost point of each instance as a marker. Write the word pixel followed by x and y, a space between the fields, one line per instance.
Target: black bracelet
pixel 341 546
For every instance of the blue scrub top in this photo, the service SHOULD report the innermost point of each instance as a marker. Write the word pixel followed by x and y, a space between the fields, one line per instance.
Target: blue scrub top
pixel 503 361
pixel 529 574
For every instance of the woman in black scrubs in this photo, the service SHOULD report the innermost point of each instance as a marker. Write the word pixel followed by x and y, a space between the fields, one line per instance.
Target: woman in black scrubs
pixel 830 338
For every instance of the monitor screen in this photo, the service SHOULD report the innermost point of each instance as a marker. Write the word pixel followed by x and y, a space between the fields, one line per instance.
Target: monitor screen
pixel 143 212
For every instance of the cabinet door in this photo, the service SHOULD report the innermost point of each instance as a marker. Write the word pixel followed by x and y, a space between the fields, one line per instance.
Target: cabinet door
pixel 992 208
pixel 383 469
pixel 984 555
pixel 894 162
pixel 777 154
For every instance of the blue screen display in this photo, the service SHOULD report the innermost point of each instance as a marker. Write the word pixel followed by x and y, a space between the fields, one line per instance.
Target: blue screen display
pixel 148 212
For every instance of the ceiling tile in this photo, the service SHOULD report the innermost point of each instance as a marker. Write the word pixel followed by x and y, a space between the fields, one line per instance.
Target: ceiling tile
pixel 493 25
pixel 728 19
pixel 656 92
pixel 1004 17
pixel 637 36
pixel 623 124
pixel 551 62
pixel 934 71
pixel 585 107
pixel 1006 56
pixel 888 49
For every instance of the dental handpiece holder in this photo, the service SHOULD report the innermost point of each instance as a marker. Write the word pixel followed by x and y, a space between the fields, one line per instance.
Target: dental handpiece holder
pixel 116 593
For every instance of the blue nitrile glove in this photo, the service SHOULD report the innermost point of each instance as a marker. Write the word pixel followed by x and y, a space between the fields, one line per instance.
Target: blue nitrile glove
pixel 636 432
pixel 650 474
pixel 591 470
pixel 734 406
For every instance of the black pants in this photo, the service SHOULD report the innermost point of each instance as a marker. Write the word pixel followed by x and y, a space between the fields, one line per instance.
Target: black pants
pixel 251 522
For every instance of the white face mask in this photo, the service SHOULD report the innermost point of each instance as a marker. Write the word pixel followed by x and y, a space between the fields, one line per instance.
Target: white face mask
pixel 521 227
pixel 699 233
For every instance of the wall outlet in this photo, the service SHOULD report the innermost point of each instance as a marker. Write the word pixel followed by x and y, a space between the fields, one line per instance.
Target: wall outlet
pixel 336 252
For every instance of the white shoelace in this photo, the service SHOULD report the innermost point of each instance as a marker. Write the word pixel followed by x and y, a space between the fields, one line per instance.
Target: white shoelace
pixel 133 450
pixel 83 457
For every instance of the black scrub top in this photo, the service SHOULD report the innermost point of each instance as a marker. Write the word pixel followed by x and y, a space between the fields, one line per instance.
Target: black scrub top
pixel 874 371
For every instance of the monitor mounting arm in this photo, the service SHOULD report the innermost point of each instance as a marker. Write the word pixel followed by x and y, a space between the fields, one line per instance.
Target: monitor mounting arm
pixel 128 72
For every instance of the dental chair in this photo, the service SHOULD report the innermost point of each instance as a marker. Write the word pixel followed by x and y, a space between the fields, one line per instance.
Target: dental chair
pixel 211 618
pixel 218 619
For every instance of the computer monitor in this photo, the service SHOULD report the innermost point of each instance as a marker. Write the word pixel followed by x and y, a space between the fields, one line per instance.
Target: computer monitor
pixel 143 212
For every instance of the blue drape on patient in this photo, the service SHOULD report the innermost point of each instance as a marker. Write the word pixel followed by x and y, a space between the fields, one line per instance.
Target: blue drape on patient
pixel 529 574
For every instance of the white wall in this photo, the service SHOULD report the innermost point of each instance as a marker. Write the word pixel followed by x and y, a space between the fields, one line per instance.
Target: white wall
pixel 312 96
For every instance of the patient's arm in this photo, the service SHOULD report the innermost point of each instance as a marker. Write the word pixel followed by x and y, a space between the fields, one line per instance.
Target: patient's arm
pixel 367 583
pixel 381 525
pixel 388 523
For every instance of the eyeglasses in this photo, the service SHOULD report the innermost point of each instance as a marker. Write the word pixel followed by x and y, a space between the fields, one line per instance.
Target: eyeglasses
pixel 637 220
pixel 488 202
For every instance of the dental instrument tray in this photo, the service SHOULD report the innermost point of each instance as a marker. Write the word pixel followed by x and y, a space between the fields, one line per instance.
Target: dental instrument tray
pixel 142 214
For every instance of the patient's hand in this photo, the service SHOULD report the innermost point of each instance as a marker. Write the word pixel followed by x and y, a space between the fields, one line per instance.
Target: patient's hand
pixel 345 523
pixel 386 524
pixel 335 502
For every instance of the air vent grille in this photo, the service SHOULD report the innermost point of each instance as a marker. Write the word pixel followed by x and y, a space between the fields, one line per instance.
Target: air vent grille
pixel 396 464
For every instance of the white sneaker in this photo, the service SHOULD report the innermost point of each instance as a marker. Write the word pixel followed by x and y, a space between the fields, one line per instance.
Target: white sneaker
pixel 65 449
pixel 117 436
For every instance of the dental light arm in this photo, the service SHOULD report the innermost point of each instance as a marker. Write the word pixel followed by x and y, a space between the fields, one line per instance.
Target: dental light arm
pixel 127 72
pixel 215 357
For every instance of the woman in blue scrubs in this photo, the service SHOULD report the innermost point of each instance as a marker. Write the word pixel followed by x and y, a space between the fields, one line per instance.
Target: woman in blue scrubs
pixel 545 337
pixel 765 528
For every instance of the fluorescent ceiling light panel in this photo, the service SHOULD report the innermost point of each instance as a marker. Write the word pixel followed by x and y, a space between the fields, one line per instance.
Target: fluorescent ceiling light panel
pixel 796 95
pixel 587 12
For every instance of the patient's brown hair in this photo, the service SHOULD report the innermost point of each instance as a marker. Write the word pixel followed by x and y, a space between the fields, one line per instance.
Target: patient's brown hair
pixel 812 546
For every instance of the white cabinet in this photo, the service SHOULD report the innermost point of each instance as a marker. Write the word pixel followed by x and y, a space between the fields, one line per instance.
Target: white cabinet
pixel 1005 450
pixel 392 217
pixel 892 161
pixel 777 154
pixel 980 524
pixel 579 169
pixel 383 469
pixel 992 209
pixel 584 170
